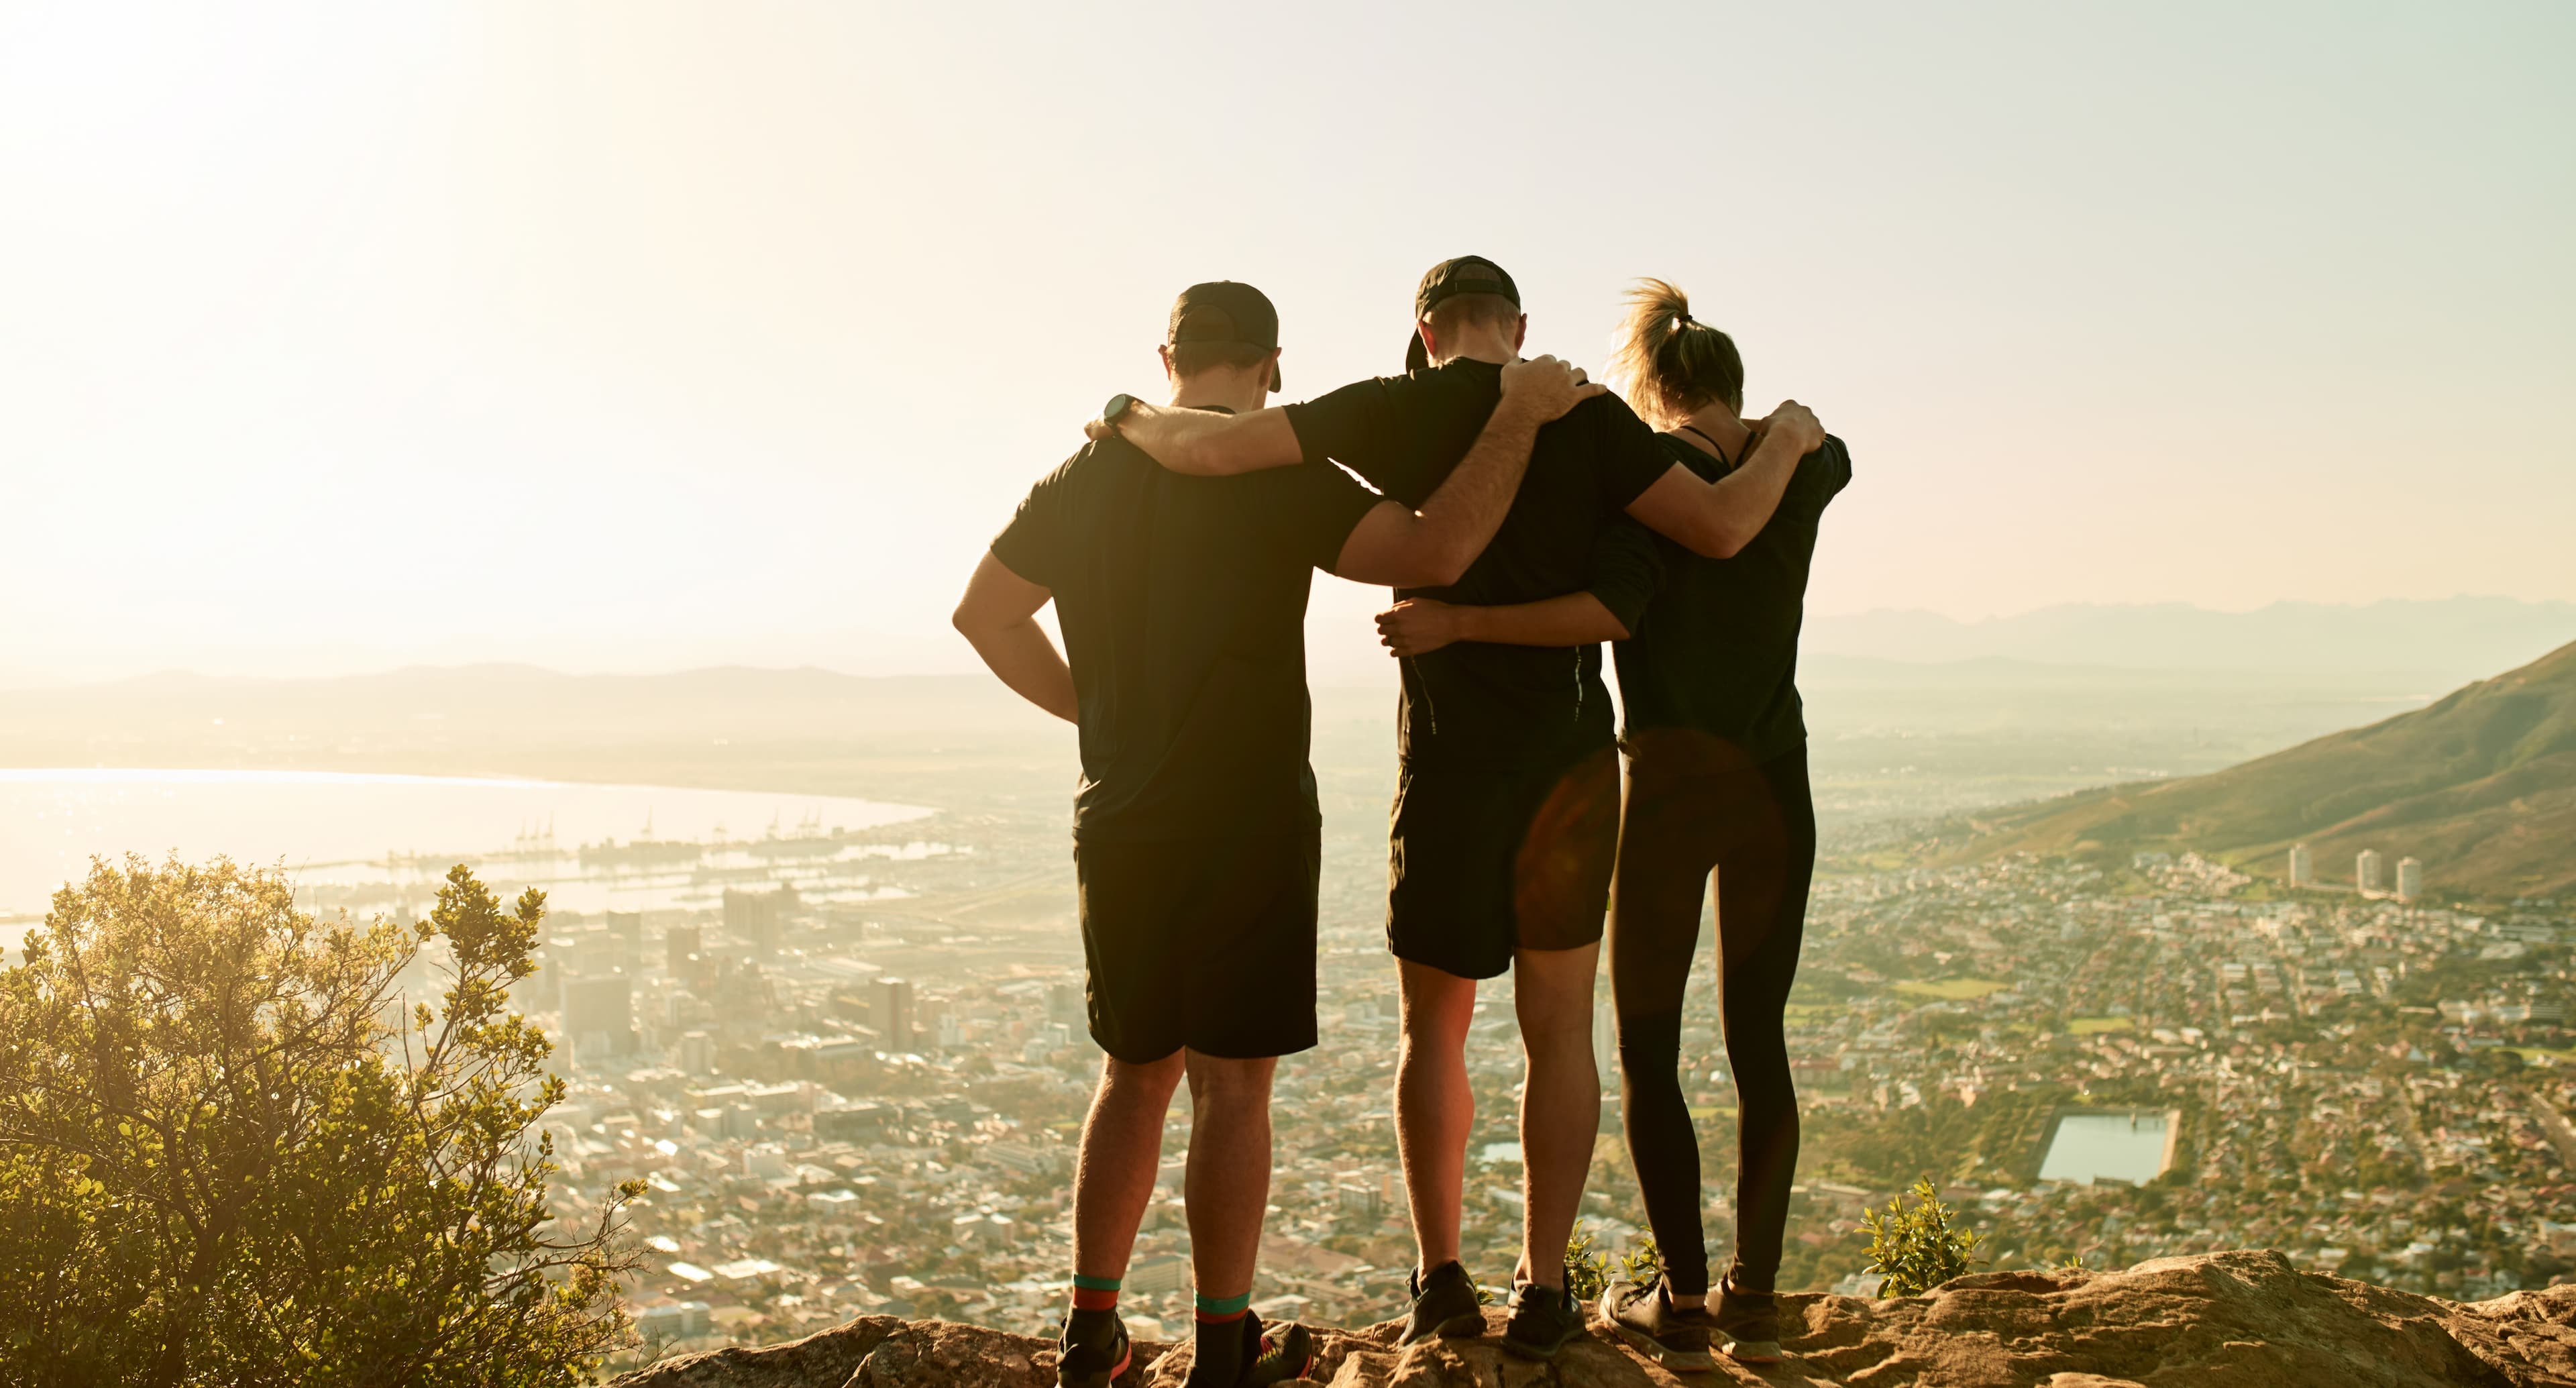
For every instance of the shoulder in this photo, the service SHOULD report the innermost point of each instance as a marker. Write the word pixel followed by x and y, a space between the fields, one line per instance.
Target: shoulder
pixel 1082 472
pixel 1838 458
pixel 1607 416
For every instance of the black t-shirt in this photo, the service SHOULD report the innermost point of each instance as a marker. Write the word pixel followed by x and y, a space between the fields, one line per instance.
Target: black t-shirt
pixel 1183 604
pixel 1718 651
pixel 1470 703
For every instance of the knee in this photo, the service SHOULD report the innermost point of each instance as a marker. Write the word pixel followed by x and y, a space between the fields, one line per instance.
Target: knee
pixel 1147 1079
pixel 1650 1041
pixel 1230 1082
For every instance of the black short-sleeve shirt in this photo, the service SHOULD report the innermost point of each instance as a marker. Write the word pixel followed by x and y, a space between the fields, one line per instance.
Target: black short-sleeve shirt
pixel 1473 703
pixel 1718 650
pixel 1183 605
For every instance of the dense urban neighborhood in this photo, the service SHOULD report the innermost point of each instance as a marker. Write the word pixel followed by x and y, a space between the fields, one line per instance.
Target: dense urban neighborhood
pixel 869 1107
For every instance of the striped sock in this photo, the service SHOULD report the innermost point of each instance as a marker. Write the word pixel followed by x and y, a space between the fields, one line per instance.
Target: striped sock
pixel 1216 1354
pixel 1095 1293
pixel 1218 1309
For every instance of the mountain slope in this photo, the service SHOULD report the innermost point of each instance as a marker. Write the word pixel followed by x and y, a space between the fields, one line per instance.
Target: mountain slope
pixel 2481 786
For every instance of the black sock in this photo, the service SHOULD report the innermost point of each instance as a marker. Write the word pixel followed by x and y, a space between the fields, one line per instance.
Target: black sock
pixel 1217 1358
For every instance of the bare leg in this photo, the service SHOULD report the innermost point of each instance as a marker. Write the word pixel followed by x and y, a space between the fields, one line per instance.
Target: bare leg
pixel 1560 1104
pixel 1229 1175
pixel 1434 1107
pixel 1113 1177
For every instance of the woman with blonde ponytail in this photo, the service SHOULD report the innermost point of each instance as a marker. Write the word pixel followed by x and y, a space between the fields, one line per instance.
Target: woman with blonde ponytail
pixel 1717 782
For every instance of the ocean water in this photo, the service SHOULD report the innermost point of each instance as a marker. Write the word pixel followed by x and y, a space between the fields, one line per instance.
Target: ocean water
pixel 383 841
pixel 2122 1146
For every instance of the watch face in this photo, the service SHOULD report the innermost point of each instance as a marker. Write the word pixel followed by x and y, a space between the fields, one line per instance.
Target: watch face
pixel 1117 407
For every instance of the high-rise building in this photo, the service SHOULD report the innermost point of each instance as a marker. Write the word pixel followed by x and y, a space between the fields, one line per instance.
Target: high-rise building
pixel 697 1053
pixel 892 1015
pixel 680 946
pixel 2303 868
pixel 2365 870
pixel 599 1016
pixel 627 929
pixel 2410 879
pixel 758 919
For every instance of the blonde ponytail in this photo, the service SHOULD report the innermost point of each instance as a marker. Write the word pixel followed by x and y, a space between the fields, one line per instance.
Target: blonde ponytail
pixel 1674 365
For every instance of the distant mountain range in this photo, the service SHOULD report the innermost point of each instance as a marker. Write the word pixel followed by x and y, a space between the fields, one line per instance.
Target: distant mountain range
pixel 2481 786
pixel 2434 644
pixel 2457 639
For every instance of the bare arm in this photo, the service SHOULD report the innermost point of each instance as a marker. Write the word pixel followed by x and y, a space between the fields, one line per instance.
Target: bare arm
pixel 1419 625
pixel 1432 547
pixel 998 617
pixel 1206 443
pixel 1719 518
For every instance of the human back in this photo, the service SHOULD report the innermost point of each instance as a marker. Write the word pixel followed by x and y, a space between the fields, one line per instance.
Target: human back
pixel 1714 665
pixel 1182 601
pixel 1478 703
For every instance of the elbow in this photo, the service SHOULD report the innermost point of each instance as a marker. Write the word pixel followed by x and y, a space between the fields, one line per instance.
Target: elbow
pixel 1717 542
pixel 1444 569
pixel 966 622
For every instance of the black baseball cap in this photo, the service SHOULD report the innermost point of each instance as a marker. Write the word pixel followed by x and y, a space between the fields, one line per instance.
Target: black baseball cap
pixel 1226 311
pixel 1466 274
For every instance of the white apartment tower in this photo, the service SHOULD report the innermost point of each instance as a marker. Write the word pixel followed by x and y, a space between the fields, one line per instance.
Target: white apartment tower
pixel 2410 879
pixel 2303 869
pixel 2365 870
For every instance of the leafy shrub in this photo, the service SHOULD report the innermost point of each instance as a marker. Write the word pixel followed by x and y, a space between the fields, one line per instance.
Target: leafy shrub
pixel 231 1154
pixel 1920 1248
pixel 1644 1263
pixel 1587 1274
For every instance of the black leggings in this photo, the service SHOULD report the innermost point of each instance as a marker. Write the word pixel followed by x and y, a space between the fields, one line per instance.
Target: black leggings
pixel 1690 809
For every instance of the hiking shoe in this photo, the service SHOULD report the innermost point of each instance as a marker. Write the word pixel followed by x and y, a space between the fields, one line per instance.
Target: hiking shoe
pixel 1673 1335
pixel 1543 1319
pixel 1093 1351
pixel 1444 1304
pixel 1282 1353
pixel 1747 1325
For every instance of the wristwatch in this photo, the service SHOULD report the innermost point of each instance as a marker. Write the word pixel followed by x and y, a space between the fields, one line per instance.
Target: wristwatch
pixel 1117 409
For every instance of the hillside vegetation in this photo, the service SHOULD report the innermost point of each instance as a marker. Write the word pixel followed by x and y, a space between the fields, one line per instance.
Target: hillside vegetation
pixel 2481 786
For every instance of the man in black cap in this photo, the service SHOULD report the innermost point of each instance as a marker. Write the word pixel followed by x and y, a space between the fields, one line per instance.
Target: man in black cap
pixel 1183 603
pixel 1505 825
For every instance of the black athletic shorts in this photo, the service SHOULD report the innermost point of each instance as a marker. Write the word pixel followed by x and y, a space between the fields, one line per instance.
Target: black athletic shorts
pixel 1481 862
pixel 1207 943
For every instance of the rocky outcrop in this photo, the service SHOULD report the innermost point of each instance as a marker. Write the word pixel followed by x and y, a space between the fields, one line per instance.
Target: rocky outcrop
pixel 2229 1320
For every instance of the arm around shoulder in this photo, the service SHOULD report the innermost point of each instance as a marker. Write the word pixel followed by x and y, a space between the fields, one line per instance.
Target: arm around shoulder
pixel 1718 519
pixel 1207 443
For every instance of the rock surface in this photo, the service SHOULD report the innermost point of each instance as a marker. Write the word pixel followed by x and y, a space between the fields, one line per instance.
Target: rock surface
pixel 2228 1320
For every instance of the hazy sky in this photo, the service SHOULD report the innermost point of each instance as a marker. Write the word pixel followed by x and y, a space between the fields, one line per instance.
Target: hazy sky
pixel 632 335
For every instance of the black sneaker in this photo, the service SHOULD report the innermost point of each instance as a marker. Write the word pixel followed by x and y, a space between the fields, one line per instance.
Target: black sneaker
pixel 1675 1336
pixel 1543 1319
pixel 1094 1351
pixel 1747 1325
pixel 1444 1304
pixel 1281 1353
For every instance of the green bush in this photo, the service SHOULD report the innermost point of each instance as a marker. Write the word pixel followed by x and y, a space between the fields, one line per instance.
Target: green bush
pixel 231 1154
pixel 1588 1273
pixel 1644 1263
pixel 1917 1249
